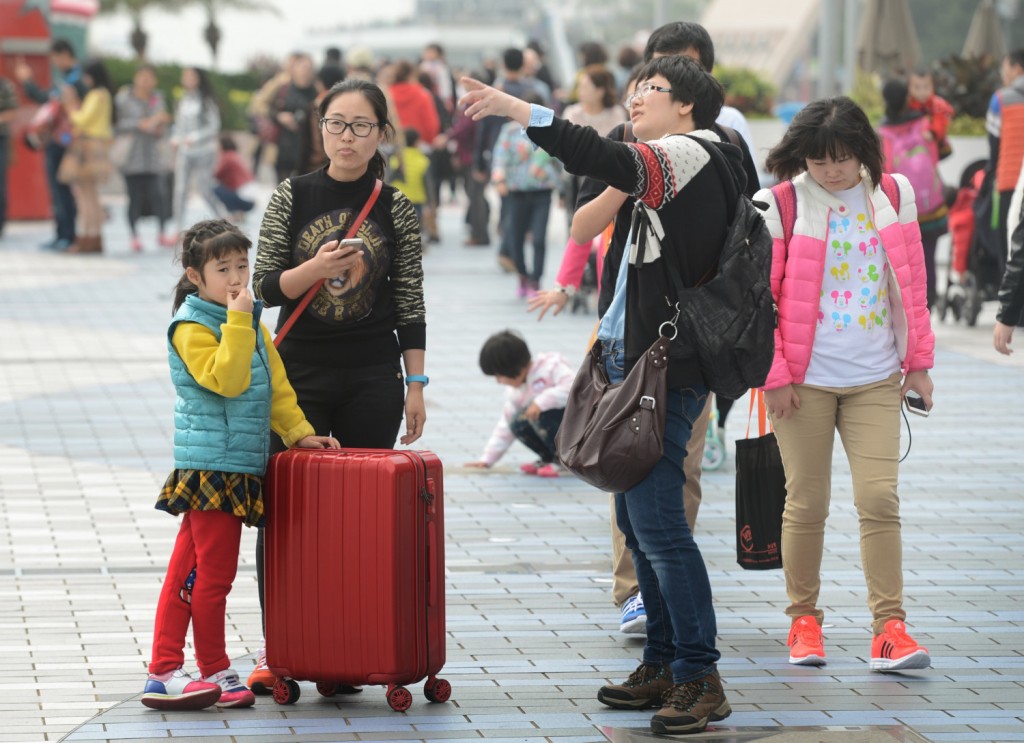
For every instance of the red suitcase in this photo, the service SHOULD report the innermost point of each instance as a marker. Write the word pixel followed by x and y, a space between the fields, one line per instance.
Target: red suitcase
pixel 355 571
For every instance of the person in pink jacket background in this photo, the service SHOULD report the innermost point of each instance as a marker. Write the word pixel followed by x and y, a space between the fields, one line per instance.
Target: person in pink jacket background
pixel 854 337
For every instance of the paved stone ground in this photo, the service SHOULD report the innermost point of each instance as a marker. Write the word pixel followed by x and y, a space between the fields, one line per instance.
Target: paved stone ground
pixel 85 423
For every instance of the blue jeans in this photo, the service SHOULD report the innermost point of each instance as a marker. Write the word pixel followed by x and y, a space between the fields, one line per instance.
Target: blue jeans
pixel 231 200
pixel 673 579
pixel 65 211
pixel 526 212
pixel 539 435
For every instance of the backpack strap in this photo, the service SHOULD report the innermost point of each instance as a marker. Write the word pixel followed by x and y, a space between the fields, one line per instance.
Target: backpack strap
pixel 892 191
pixel 731 134
pixel 785 200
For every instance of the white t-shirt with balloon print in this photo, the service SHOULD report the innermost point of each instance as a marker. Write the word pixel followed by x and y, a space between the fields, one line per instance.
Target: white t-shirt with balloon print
pixel 854 343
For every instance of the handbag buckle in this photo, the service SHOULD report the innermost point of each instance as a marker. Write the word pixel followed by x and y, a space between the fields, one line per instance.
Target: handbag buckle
pixel 647 402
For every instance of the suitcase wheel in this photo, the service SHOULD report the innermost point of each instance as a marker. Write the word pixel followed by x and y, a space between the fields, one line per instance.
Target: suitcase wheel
pixel 437 690
pixel 286 691
pixel 326 688
pixel 399 698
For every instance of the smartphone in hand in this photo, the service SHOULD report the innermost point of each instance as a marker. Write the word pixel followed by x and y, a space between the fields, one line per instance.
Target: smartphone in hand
pixel 914 403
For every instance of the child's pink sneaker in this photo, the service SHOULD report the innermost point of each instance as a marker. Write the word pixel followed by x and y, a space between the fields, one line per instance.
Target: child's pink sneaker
pixel 531 468
pixel 233 692
pixel 551 469
pixel 176 690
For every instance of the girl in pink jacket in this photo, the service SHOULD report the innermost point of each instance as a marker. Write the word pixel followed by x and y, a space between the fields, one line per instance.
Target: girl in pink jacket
pixel 853 337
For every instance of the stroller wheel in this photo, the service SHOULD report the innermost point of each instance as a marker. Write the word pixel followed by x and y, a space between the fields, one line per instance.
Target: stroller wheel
pixel 972 301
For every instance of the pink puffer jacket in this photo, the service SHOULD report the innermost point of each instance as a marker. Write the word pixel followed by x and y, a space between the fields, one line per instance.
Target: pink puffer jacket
pixel 797 274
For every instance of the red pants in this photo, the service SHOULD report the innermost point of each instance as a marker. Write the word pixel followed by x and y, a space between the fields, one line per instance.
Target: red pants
pixel 199 578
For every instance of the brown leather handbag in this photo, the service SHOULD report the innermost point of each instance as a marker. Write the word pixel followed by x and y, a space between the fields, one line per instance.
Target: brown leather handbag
pixel 612 434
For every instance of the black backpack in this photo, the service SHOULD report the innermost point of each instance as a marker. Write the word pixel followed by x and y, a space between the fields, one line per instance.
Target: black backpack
pixel 730 319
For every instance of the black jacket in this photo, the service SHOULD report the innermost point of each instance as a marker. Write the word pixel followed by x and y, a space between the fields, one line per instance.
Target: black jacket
pixel 1011 291
pixel 675 184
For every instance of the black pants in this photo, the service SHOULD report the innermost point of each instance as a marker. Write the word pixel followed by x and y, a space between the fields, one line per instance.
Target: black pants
pixel 361 407
pixel 147 198
pixel 478 213
pixel 539 435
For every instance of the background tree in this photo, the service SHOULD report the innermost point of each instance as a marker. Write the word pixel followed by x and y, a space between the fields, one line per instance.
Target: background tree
pixel 212 33
pixel 134 8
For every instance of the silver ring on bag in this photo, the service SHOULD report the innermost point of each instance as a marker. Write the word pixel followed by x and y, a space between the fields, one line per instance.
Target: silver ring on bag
pixel 675 330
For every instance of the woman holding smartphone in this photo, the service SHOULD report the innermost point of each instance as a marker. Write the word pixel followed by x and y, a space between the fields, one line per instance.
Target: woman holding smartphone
pixel 344 354
pixel 854 338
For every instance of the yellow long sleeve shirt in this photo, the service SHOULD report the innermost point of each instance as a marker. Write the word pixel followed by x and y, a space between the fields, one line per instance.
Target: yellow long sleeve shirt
pixel 95 116
pixel 224 368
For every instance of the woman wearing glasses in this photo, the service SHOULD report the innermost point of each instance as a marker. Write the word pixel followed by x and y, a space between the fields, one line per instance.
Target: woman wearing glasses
pixel 344 355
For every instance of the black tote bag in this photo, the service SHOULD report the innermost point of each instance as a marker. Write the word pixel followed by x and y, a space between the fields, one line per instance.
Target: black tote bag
pixel 760 495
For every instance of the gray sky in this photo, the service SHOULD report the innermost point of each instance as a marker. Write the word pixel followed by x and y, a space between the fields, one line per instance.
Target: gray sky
pixel 178 38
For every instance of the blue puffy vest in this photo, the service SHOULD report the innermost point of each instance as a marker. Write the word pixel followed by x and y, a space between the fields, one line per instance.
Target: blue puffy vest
pixel 213 432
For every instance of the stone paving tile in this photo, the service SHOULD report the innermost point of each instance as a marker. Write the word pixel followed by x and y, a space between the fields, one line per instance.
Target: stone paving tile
pixel 85 443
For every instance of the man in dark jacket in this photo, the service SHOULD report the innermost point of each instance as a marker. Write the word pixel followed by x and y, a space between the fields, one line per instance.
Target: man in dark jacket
pixel 679 225
pixel 1011 294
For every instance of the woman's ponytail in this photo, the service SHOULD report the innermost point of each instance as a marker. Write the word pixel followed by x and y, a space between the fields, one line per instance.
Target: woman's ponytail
pixel 378 165
pixel 182 289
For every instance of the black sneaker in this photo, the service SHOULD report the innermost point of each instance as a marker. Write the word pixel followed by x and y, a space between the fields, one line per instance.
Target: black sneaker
pixel 644 688
pixel 689 707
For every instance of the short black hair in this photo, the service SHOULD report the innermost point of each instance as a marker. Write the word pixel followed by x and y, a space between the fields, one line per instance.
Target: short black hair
pixel 332 55
pixel 62 46
pixel 504 353
pixel 690 83
pixel 895 93
pixel 835 127
pixel 1016 57
pixel 227 142
pixel 676 37
pixel 512 59
pixel 330 75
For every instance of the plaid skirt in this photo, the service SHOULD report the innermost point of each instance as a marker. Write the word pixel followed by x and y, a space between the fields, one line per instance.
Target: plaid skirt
pixel 205 490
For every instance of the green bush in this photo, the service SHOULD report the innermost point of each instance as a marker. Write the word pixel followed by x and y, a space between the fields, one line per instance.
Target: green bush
pixel 867 93
pixel 233 91
pixel 746 90
pixel 967 126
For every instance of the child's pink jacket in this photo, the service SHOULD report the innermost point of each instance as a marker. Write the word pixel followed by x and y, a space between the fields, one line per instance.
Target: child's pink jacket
pixel 797 274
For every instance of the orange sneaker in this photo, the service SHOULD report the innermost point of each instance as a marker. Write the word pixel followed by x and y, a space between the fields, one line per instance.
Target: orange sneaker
pixel 895 650
pixel 806 644
pixel 261 680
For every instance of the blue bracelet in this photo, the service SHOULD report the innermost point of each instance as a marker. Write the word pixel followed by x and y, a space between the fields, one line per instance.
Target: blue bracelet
pixel 417 378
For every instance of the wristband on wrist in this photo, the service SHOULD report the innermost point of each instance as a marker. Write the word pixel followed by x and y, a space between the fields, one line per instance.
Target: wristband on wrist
pixel 569 290
pixel 421 378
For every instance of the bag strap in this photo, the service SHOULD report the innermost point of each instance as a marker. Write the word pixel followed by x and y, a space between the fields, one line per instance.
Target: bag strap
pixel 293 318
pixel 764 426
pixel 785 200
pixel 892 190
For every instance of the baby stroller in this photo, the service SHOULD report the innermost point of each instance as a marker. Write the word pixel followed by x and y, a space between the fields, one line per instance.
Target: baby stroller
pixel 976 256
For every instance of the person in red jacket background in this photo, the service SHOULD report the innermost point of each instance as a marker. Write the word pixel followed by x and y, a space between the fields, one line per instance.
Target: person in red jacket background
pixel 231 173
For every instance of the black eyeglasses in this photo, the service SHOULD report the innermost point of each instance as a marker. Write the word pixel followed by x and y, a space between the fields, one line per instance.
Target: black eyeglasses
pixel 645 90
pixel 337 126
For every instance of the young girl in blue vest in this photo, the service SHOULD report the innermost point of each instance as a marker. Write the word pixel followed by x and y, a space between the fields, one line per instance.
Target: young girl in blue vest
pixel 231 391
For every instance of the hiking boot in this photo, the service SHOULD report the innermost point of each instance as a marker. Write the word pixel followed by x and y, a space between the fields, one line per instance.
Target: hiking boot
pixel 806 644
pixel 262 679
pixel 643 689
pixel 690 706
pixel 232 692
pixel 177 690
pixel 895 650
pixel 634 616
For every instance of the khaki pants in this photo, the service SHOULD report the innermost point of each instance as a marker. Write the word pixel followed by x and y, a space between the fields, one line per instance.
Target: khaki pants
pixel 624 584
pixel 868 420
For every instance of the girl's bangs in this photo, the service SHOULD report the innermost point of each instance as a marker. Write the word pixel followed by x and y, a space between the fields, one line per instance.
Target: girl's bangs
pixel 226 243
pixel 824 142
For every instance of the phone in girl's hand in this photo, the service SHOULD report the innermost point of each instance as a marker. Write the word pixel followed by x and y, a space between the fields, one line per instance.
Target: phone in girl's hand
pixel 914 403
